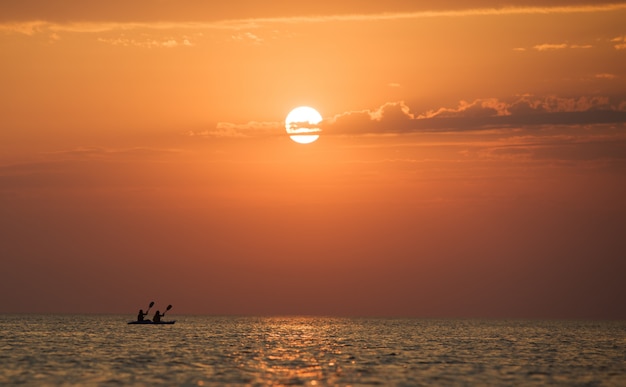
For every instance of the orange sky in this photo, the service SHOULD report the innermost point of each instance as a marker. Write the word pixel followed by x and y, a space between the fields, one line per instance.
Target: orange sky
pixel 472 161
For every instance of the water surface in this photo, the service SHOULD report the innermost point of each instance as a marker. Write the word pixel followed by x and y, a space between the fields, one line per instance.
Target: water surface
pixel 212 351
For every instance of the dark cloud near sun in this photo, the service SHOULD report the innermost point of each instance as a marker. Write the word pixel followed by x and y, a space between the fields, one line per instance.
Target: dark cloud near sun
pixel 526 110
pixel 396 118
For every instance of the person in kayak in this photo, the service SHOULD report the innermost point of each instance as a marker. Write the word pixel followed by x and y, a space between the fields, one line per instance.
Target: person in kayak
pixel 141 315
pixel 157 317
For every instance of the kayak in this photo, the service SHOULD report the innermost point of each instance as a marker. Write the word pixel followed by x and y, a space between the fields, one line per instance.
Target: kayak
pixel 152 322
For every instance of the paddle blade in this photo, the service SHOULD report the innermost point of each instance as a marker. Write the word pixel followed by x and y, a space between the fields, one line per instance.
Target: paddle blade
pixel 151 305
pixel 168 307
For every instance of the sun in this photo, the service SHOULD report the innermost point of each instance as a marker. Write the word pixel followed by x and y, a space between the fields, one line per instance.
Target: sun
pixel 302 124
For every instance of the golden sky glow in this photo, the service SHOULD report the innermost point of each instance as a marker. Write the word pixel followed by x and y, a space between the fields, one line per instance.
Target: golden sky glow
pixel 472 161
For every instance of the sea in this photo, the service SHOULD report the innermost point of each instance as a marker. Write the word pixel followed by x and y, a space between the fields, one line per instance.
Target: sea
pixel 103 350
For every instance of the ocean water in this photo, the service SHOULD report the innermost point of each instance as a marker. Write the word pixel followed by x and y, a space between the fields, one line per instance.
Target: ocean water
pixel 214 351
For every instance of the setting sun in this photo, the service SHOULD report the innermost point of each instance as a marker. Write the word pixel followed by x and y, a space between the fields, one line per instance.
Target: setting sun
pixel 301 122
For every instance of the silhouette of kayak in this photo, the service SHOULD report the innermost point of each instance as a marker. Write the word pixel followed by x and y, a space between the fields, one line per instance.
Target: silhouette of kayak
pixel 150 321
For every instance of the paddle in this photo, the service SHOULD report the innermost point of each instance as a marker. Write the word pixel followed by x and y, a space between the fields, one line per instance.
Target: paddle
pixel 166 309
pixel 150 306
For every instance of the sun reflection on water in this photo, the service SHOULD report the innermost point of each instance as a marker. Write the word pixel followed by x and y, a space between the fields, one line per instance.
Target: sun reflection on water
pixel 289 352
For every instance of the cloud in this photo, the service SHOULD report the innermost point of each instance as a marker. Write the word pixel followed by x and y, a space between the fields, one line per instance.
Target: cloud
pixel 605 76
pixel 477 108
pixel 394 118
pixel 578 144
pixel 82 153
pixel 382 120
pixel 28 28
pixel 528 104
pixel 146 43
pixel 619 42
pixel 550 47
pixel 562 46
pixel 525 110
pixel 247 36
pixel 90 22
pixel 233 130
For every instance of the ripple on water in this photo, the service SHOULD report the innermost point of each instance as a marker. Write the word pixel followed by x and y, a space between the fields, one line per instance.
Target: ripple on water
pixel 77 350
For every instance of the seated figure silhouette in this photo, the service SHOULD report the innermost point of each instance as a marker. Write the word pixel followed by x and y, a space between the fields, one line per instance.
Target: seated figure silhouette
pixel 157 317
pixel 141 315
